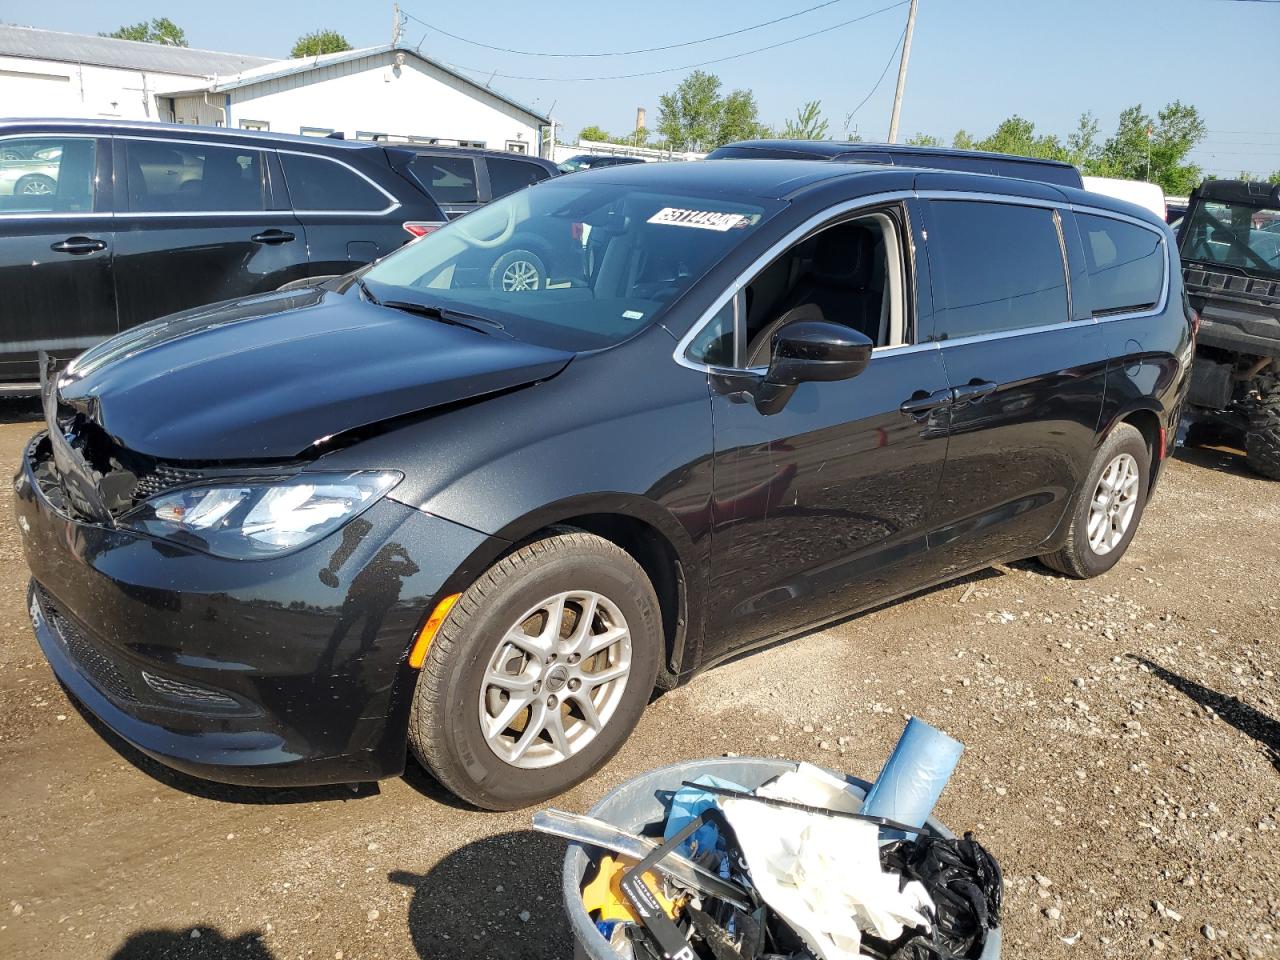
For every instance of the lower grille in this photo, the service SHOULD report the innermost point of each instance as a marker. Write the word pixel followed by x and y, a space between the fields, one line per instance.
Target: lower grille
pixel 104 674
pixel 124 683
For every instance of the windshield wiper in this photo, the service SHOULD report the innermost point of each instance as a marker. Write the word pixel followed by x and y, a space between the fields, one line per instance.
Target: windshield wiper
pixel 443 314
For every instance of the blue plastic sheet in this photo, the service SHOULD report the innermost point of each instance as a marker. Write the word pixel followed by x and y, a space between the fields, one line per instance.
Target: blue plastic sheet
pixel 687 804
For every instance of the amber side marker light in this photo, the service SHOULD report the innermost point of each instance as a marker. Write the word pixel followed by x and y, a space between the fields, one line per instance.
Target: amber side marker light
pixel 418 655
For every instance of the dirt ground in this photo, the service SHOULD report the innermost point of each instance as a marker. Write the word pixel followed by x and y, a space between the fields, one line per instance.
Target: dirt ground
pixel 1123 763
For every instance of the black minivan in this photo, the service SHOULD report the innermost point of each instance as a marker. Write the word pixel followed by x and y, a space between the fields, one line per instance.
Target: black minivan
pixel 288 539
pixel 105 225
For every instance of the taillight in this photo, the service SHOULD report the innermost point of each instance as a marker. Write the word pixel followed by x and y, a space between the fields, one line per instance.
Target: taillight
pixel 421 228
pixel 1195 323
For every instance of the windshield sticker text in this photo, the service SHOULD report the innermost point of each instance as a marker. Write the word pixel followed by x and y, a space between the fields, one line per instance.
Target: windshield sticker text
pixel 699 219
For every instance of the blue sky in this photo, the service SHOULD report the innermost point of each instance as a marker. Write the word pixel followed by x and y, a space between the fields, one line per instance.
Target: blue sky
pixel 973 62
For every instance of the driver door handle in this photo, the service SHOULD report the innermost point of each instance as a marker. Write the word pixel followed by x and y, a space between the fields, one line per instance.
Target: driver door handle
pixel 272 236
pixel 921 404
pixel 974 391
pixel 78 245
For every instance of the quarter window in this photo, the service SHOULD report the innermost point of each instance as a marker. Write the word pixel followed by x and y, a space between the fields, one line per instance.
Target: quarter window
pixel 47 175
pixel 321 184
pixel 1126 264
pixel 995 267
pixel 447 179
pixel 714 343
pixel 170 176
pixel 508 176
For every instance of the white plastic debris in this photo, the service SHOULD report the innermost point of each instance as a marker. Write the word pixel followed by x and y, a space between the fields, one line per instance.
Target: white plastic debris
pixel 822 874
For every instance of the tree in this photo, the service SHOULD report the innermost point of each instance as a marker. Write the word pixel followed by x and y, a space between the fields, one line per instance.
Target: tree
pixel 808 124
pixel 1155 149
pixel 1083 148
pixel 694 116
pixel 160 30
pixel 1017 135
pixel 963 140
pixel 319 41
pixel 594 133
pixel 924 140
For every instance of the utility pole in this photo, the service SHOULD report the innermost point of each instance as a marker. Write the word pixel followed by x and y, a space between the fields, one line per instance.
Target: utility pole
pixel 902 73
pixel 395 25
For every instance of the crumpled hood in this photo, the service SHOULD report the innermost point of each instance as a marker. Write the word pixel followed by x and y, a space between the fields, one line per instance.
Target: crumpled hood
pixel 268 376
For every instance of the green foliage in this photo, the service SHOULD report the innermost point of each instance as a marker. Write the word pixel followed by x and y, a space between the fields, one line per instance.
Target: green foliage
pixel 319 41
pixel 808 123
pixel 1273 177
pixel 1142 148
pixel 924 140
pixel 694 116
pixel 595 133
pixel 159 30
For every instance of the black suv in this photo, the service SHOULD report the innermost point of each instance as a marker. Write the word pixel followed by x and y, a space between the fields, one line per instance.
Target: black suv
pixel 1230 246
pixel 285 540
pixel 937 158
pixel 461 179
pixel 106 225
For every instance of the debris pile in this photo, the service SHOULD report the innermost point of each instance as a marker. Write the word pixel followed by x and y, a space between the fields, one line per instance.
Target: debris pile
pixel 802 867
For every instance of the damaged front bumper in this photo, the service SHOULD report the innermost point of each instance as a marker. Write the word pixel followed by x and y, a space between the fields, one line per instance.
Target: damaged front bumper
pixel 282 671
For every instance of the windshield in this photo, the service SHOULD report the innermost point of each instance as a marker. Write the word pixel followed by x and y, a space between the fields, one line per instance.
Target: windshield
pixel 1238 235
pixel 572 266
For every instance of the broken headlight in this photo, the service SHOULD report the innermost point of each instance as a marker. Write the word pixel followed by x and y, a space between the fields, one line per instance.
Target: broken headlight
pixel 244 520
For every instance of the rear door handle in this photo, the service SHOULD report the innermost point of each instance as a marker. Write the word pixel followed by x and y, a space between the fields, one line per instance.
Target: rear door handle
pixel 78 245
pixel 272 236
pixel 921 404
pixel 975 390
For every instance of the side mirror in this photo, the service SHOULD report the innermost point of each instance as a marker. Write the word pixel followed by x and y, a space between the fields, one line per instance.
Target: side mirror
pixel 817 350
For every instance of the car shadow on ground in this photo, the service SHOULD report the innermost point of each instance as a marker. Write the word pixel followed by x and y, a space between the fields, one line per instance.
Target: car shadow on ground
pixel 20 409
pixel 497 897
pixel 1219 459
pixel 1249 721
pixel 193 943
pixel 208 789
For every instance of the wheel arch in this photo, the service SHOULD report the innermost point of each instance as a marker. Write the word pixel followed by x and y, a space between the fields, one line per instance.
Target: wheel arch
pixel 1149 420
pixel 653 538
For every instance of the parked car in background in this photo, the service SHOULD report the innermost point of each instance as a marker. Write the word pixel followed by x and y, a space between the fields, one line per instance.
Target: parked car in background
pixel 461 179
pixel 938 158
pixel 106 225
pixel 284 539
pixel 1230 246
pixel 1149 196
pixel 591 161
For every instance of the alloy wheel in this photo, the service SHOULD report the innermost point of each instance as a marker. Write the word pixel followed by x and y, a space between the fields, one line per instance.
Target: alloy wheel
pixel 37 187
pixel 1114 503
pixel 520 275
pixel 555 679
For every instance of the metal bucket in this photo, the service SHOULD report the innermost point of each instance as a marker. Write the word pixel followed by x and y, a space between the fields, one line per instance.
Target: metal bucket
pixel 635 807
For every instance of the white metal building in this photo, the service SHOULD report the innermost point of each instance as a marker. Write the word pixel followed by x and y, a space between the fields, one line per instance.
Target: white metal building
pixel 383 91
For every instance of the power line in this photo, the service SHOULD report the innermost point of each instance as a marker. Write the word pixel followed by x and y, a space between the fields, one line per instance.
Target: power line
pixel 688 66
pixel 624 53
pixel 888 63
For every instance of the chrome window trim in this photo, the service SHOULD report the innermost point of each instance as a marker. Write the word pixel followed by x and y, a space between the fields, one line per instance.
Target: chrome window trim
pixel 62 214
pixel 394 203
pixel 762 261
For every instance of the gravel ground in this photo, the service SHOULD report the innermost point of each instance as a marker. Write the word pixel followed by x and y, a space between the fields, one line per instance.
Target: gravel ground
pixel 1123 763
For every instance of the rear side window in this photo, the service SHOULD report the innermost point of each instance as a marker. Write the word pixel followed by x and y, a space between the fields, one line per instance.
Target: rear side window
pixel 447 179
pixel 1126 264
pixel 47 175
pixel 995 267
pixel 320 184
pixel 165 176
pixel 508 176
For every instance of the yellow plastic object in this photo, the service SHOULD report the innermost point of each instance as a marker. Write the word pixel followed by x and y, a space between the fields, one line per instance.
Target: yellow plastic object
pixel 418 655
pixel 603 895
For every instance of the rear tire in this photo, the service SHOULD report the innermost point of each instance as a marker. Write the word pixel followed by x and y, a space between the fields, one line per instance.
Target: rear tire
pixel 1095 542
pixel 459 727
pixel 518 271
pixel 1262 441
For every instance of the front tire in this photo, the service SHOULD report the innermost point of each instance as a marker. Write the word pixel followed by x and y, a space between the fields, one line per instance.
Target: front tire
pixel 1107 507
pixel 539 673
pixel 518 271
pixel 1262 441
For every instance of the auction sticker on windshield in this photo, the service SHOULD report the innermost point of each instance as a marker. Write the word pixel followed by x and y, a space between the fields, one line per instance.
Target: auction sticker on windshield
pixel 699 219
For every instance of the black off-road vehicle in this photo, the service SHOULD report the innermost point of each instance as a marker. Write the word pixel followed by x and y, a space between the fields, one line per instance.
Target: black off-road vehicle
pixel 1230 246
